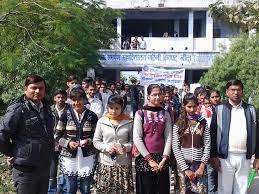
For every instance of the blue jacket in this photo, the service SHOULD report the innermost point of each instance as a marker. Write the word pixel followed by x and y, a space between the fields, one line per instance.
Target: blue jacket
pixel 220 126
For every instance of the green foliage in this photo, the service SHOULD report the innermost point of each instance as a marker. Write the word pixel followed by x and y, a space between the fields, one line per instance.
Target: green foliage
pixel 6 184
pixel 241 62
pixel 245 14
pixel 52 38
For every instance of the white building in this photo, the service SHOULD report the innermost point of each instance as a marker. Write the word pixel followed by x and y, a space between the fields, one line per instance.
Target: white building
pixel 193 40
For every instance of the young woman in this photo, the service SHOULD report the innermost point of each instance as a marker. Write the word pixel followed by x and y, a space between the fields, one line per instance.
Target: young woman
pixel 113 138
pixel 74 134
pixel 215 97
pixel 152 134
pixel 191 146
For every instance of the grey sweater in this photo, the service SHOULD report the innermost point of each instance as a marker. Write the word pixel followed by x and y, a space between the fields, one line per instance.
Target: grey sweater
pixel 105 135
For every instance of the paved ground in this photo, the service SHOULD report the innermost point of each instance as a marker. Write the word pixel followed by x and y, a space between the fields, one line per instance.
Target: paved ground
pixel 255 186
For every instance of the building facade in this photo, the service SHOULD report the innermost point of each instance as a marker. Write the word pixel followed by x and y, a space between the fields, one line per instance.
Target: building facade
pixel 178 34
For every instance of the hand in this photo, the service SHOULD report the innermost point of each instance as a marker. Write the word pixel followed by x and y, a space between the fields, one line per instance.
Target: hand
pixel 112 149
pixel 161 164
pixel 154 166
pixel 200 171
pixel 119 148
pixel 215 162
pixel 190 175
pixel 73 145
pixel 84 142
pixel 256 164
pixel 9 160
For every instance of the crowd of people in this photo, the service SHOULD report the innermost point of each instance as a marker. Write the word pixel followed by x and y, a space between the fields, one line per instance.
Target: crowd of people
pixel 134 44
pixel 92 133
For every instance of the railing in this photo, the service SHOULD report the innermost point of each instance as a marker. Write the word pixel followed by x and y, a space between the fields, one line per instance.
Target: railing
pixel 180 44
pixel 129 4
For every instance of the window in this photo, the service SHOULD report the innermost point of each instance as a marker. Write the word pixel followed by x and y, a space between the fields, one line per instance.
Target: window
pixel 183 28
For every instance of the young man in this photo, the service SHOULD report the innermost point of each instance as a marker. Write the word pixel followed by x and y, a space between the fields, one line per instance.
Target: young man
pixel 95 104
pixel 59 107
pixel 71 81
pixel 26 135
pixel 234 139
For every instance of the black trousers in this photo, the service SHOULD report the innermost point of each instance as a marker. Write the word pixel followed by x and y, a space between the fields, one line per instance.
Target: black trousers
pixel 54 165
pixel 152 182
pixel 35 182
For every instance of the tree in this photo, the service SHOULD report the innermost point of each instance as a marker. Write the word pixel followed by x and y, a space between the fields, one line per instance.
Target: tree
pixel 244 15
pixel 52 38
pixel 241 62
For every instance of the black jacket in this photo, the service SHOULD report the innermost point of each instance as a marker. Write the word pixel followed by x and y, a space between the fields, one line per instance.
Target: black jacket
pixel 25 136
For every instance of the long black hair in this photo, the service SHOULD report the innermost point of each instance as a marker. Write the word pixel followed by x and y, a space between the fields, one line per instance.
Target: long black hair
pixel 182 121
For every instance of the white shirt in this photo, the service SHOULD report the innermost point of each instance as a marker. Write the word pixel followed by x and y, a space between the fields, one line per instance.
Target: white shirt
pixel 238 130
pixel 96 106
pixel 105 97
pixel 60 112
pixel 142 44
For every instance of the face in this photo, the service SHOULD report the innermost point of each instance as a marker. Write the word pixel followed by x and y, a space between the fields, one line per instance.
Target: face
pixel 35 92
pixel 186 89
pixel 118 86
pixel 190 108
pixel 114 110
pixel 201 98
pixel 78 104
pixel 91 91
pixel 98 85
pixel 235 93
pixel 155 97
pixel 72 83
pixel 60 100
pixel 103 88
pixel 167 97
pixel 85 86
pixel 112 88
pixel 127 88
pixel 215 98
pixel 207 103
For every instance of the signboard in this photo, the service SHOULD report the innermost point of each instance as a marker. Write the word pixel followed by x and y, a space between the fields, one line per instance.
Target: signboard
pixel 187 60
pixel 151 75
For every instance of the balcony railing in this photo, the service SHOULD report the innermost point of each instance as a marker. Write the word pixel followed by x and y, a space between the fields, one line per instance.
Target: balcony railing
pixel 131 4
pixel 180 44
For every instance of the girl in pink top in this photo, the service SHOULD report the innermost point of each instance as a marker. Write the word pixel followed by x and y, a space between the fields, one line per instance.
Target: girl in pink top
pixel 152 133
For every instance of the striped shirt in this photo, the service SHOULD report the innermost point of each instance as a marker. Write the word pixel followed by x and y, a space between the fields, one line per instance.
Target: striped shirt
pixel 193 146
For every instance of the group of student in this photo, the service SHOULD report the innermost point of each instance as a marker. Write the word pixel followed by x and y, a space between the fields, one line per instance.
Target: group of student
pixel 98 150
pixel 94 149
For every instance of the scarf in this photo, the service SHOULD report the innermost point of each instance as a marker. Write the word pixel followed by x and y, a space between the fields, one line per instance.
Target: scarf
pixel 193 117
pixel 153 108
pixel 119 118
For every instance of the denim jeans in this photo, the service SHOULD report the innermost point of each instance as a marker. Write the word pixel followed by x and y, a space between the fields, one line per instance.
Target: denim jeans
pixel 72 184
pixel 61 184
pixel 53 173
pixel 212 179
